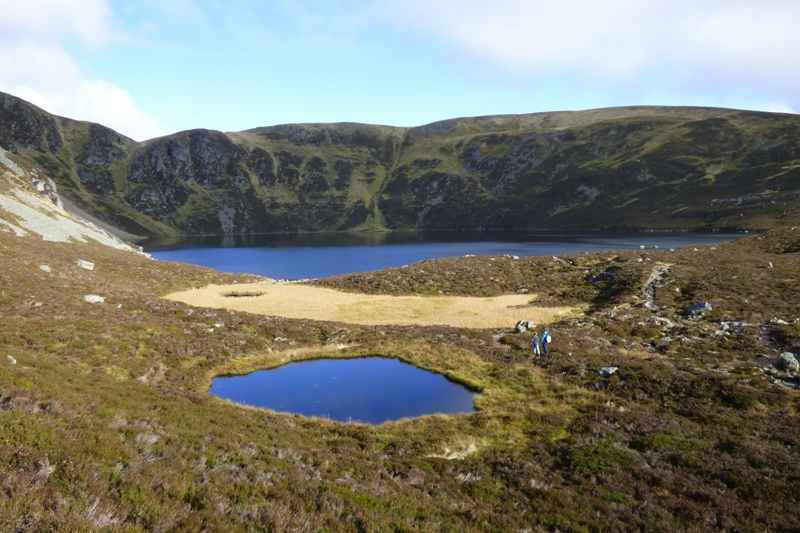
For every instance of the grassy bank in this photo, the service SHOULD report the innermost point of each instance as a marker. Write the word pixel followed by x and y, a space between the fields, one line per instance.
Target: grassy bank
pixel 107 424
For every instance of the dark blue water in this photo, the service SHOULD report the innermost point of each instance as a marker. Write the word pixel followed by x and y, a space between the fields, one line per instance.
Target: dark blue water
pixel 322 255
pixel 372 390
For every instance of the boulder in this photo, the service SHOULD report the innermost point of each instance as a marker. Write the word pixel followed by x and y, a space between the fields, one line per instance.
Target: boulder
pixel 787 361
pixel 94 299
pixel 697 310
pixel 606 371
pixel 523 326
pixel 88 265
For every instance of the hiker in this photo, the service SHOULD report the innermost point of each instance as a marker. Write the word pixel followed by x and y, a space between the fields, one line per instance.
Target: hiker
pixel 535 343
pixel 546 338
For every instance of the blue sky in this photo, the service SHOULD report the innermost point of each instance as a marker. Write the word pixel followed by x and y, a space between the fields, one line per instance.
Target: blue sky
pixel 152 67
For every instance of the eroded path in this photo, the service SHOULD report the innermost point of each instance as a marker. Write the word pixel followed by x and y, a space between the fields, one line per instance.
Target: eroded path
pixel 316 303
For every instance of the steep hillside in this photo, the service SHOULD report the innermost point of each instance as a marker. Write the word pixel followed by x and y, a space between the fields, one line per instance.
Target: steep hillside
pixel 632 168
pixel 31 205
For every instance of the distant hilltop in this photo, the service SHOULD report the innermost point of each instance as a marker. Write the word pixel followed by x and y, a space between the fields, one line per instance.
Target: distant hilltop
pixel 631 168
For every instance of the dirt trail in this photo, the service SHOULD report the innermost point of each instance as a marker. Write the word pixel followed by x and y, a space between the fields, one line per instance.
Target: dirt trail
pixel 302 301
pixel 656 279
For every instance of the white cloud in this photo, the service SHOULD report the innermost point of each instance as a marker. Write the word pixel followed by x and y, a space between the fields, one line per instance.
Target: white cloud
pixel 52 20
pixel 713 47
pixel 35 64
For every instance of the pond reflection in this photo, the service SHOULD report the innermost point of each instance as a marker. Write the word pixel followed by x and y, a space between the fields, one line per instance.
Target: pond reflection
pixel 372 390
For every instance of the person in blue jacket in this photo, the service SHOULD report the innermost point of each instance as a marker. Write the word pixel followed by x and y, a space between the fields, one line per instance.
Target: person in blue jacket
pixel 545 340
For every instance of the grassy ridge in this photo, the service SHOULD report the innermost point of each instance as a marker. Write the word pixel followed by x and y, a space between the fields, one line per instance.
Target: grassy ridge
pixel 674 168
pixel 107 423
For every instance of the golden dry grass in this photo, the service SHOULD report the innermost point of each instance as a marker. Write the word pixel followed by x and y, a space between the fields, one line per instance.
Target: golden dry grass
pixel 316 303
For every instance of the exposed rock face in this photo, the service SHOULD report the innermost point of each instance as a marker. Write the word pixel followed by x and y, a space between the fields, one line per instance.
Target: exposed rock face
pixel 26 126
pixel 638 167
pixel 105 148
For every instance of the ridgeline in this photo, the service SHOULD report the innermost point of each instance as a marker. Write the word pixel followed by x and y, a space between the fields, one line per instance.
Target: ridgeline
pixel 635 168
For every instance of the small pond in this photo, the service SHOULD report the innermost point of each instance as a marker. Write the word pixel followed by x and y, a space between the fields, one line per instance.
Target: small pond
pixel 372 390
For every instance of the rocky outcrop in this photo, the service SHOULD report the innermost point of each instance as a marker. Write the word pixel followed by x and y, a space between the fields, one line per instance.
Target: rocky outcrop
pixel 524 325
pixel 635 168
pixel 787 361
pixel 697 310
pixel 25 126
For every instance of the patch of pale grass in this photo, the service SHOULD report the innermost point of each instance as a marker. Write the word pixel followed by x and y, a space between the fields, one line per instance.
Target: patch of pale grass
pixel 316 303
pixel 459 449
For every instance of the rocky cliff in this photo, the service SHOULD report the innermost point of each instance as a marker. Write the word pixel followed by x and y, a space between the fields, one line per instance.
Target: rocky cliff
pixel 627 168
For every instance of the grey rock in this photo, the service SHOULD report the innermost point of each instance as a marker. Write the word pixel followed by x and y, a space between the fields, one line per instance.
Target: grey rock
pixel 787 361
pixel 94 299
pixel 524 325
pixel 697 310
pixel 88 265
pixel 664 322
pixel 607 371
pixel 734 327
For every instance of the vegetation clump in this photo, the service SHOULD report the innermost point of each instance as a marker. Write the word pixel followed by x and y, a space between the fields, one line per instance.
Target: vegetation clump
pixel 241 294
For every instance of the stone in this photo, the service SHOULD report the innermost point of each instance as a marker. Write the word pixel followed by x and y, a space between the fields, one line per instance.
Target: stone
pixel 523 326
pixel 85 264
pixel 664 322
pixel 607 371
pixel 94 299
pixel 787 361
pixel 46 268
pixel 697 310
pixel 735 327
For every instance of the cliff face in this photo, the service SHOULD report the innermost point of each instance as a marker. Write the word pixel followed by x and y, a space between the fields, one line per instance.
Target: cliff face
pixel 635 168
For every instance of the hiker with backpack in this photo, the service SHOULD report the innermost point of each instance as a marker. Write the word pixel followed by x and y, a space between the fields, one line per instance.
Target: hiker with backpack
pixel 546 338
